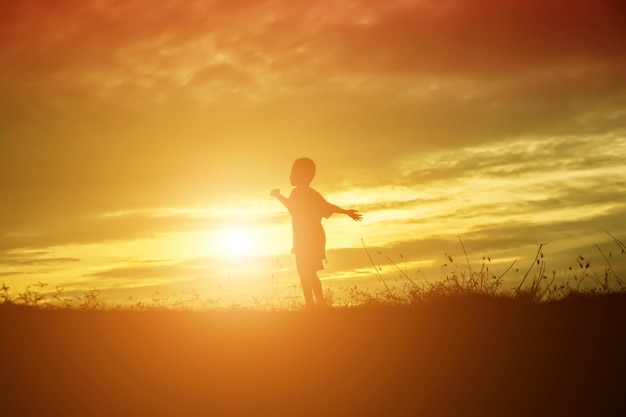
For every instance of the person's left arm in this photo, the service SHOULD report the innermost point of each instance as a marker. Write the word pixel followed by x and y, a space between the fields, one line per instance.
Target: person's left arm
pixel 353 214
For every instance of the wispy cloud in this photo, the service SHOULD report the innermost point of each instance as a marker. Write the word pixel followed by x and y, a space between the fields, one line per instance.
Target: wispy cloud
pixel 95 229
pixel 28 261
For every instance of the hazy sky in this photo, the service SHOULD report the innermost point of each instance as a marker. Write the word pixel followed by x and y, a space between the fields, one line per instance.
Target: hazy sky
pixel 139 139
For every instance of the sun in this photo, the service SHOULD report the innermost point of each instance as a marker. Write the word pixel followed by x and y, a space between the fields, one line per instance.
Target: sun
pixel 238 242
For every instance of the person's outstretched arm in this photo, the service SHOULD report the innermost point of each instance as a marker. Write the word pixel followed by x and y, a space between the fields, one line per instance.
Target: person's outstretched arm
pixel 276 193
pixel 354 214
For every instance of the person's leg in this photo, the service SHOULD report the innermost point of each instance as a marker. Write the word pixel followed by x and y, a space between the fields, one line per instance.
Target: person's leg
pixel 317 289
pixel 307 290
pixel 306 281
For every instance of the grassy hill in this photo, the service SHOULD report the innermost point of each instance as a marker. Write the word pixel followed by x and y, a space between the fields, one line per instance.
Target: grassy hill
pixel 458 356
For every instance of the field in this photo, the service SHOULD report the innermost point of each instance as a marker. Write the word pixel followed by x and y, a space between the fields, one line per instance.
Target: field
pixel 467 355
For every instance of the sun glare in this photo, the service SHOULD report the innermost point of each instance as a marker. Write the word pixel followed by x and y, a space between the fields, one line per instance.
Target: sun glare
pixel 237 242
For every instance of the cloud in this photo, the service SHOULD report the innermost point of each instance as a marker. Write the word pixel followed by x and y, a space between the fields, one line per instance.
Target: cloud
pixel 137 273
pixel 99 229
pixel 306 61
pixel 291 48
pixel 484 38
pixel 33 261
pixel 11 273
pixel 30 263
pixel 525 157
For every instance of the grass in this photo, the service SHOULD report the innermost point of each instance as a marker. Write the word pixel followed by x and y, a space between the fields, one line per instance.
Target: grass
pixel 462 346
pixel 536 285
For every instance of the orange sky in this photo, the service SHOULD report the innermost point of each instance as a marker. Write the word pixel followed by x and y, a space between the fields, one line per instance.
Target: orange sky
pixel 137 137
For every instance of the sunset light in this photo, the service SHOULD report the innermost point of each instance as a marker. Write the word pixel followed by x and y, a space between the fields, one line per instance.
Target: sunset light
pixel 238 243
pixel 139 143
pixel 324 208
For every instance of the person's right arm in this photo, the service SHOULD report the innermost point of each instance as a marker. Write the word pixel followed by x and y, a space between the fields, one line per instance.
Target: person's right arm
pixel 276 193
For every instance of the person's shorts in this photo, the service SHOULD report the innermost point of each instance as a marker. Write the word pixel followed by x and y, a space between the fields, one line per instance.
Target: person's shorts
pixel 306 263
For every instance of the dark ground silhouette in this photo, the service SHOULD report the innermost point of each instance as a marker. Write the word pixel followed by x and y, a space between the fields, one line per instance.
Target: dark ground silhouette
pixel 469 356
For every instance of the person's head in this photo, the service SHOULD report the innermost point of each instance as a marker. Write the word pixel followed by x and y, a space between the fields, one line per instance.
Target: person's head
pixel 302 172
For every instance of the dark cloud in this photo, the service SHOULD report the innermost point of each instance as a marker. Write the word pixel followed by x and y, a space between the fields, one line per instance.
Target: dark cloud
pixel 74 47
pixel 481 37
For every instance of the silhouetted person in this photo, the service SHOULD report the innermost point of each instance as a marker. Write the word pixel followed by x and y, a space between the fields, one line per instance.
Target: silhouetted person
pixel 307 207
